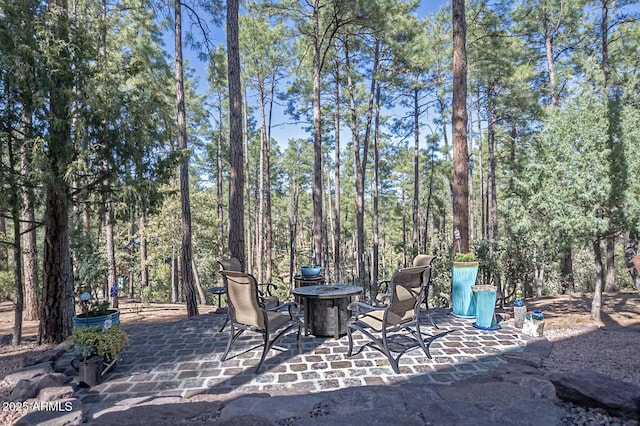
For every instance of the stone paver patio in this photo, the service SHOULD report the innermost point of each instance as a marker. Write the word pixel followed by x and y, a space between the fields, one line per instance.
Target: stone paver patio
pixel 182 358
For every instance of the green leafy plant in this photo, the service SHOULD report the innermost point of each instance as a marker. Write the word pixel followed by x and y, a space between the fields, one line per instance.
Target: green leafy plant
pixel 101 341
pixel 93 308
pixel 464 257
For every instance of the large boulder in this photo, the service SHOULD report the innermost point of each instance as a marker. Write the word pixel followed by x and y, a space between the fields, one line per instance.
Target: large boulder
pixel 590 389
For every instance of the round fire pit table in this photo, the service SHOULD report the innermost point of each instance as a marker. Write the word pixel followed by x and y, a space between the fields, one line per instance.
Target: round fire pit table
pixel 325 308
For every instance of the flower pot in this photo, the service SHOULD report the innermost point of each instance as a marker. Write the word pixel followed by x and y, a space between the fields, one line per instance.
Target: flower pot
pixel 485 298
pixel 82 320
pixel 464 276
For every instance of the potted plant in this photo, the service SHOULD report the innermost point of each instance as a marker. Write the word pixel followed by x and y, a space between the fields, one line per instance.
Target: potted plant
pixel 464 271
pixel 98 348
pixel 95 313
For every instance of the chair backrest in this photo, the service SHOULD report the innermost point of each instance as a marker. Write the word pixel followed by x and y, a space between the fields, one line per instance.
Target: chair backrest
pixel 407 287
pixel 424 260
pixel 231 264
pixel 242 296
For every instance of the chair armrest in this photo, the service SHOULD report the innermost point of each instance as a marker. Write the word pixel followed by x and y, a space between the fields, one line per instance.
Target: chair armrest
pixel 382 297
pixel 383 286
pixel 382 300
pixel 267 299
pixel 290 306
pixel 359 308
pixel 267 288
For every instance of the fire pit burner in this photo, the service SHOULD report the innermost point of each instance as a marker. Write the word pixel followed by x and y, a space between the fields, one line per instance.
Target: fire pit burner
pixel 325 308
pixel 327 288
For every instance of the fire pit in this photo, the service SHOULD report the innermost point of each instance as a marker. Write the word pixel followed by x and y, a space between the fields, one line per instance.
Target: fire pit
pixel 325 308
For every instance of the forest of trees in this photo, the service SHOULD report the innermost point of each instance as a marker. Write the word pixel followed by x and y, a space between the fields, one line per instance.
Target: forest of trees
pixel 118 168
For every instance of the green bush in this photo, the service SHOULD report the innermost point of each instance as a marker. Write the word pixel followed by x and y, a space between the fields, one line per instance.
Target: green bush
pixel 464 257
pixel 99 341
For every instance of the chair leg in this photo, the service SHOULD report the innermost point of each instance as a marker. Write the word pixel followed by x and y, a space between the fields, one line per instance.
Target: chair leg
pixel 231 339
pixel 418 335
pixel 298 339
pixel 350 340
pixel 387 352
pixel 226 321
pixel 265 349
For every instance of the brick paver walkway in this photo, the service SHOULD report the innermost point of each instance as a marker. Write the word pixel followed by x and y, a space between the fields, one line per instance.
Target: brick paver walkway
pixel 182 358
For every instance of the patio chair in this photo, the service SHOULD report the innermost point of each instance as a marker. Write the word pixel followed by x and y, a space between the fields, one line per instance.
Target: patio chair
pixel 383 294
pixel 266 298
pixel 408 288
pixel 246 313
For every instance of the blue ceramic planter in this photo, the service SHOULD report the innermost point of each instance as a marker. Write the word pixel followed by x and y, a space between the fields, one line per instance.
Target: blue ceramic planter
pixel 485 296
pixel 81 320
pixel 464 276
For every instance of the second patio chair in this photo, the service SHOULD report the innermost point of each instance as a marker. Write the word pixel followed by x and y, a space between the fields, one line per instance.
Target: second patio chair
pixel 408 288
pixel 383 295
pixel 245 313
pixel 266 298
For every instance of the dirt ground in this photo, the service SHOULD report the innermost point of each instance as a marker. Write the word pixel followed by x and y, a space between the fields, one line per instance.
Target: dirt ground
pixel 618 310
pixel 131 313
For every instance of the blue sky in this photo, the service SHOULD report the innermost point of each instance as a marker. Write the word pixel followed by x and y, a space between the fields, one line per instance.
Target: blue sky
pixel 282 130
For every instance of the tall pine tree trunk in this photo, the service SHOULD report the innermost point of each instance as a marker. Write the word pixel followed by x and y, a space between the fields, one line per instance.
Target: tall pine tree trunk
pixel 596 304
pixel 416 172
pixel 188 280
pixel 57 285
pixel 29 237
pixel 219 203
pixel 610 283
pixel 252 252
pixel 108 232
pixel 336 169
pixel 566 268
pixel 144 267
pixel 265 235
pixel 317 138
pixel 17 246
pixel 460 184
pixel 375 234
pixel 236 185
pixel 357 166
pixel 492 185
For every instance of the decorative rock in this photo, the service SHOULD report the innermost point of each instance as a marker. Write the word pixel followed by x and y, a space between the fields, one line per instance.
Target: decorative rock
pixel 590 389
pixel 540 388
pixel 23 390
pixel 513 372
pixel 66 412
pixel 35 371
pixel 51 379
pixel 55 393
pixel 458 413
pixel 157 415
pixel 520 412
pixel 526 358
pixel 275 408
pixel 246 420
pixel 540 346
pixel 44 357
pixel 364 417
pixel 485 392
